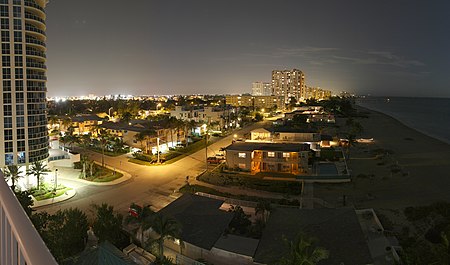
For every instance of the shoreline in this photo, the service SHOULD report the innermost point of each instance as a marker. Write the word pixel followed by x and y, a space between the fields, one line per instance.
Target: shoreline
pixel 444 141
pixel 424 163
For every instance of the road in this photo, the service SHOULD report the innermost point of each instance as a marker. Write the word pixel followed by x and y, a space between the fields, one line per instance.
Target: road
pixel 154 185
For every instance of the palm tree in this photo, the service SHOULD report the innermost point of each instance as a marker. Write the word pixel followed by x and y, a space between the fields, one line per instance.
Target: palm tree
pixel 103 137
pixel 13 173
pixel 302 251
pixel 166 228
pixel 143 217
pixel 38 169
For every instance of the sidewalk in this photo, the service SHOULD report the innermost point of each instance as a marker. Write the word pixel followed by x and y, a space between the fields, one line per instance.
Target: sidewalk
pixel 69 194
pixel 73 175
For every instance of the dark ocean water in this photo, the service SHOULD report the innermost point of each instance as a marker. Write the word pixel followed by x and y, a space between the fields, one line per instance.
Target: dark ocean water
pixel 430 116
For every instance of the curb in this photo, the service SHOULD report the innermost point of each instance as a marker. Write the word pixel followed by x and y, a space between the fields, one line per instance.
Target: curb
pixel 70 194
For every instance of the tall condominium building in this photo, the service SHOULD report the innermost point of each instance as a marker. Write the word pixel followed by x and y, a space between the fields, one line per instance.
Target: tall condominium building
pixel 288 83
pixel 23 120
pixel 261 89
pixel 317 93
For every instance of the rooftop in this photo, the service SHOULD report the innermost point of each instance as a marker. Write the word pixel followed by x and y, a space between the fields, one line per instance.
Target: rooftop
pixel 202 222
pixel 337 230
pixel 283 147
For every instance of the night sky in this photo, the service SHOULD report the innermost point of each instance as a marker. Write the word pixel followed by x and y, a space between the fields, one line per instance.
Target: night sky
pixel 143 47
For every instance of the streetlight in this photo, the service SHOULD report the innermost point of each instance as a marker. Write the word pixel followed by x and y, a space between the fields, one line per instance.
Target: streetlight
pixel 56 179
pixel 158 106
pixel 109 112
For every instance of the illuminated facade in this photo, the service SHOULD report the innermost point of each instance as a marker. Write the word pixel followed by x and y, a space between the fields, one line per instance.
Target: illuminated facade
pixel 261 89
pixel 23 82
pixel 288 83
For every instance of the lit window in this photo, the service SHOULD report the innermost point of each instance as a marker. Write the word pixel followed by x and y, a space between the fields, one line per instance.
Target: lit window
pixel 242 166
pixel 286 155
pixel 271 154
pixel 242 155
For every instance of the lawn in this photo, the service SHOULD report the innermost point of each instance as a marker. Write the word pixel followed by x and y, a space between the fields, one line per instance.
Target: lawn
pixel 102 174
pixel 47 192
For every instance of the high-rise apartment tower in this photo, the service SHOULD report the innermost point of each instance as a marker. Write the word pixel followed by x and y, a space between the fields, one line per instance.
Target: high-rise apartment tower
pixel 23 118
pixel 288 83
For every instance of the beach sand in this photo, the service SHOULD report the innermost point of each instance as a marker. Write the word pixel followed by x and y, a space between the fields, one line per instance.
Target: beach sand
pixel 423 162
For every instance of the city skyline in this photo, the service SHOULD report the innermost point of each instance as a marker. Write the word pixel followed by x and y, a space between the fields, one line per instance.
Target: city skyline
pixel 198 47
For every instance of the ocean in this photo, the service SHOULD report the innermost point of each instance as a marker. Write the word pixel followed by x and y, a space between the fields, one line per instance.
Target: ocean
pixel 430 116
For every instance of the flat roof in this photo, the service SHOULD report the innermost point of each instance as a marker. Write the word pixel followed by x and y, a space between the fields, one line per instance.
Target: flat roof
pixel 238 244
pixel 283 147
pixel 202 222
pixel 337 230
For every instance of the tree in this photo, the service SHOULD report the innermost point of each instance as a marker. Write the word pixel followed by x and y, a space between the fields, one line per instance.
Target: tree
pixel 166 228
pixel 64 232
pixel 302 251
pixel 38 169
pixel 108 225
pixel 103 137
pixel 240 222
pixel 143 217
pixel 24 198
pixel 13 174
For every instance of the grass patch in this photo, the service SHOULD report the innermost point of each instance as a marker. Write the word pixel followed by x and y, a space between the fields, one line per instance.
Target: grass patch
pixel 103 174
pixel 47 193
pixel 139 162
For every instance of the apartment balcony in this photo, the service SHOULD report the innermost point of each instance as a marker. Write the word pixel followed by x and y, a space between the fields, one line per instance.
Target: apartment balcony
pixel 35 8
pixel 35 19
pixel 36 53
pixel 20 243
pixel 36 65
pixel 37 77
pixel 33 30
pixel 294 160
pixel 36 42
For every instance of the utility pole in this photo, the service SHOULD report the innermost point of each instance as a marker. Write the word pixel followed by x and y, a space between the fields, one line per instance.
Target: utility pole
pixel 157 148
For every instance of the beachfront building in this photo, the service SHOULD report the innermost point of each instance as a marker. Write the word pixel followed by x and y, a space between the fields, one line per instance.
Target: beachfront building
pixel 255 102
pixel 23 82
pixel 286 135
pixel 288 83
pixel 261 89
pixel 312 114
pixel 255 157
pixel 317 93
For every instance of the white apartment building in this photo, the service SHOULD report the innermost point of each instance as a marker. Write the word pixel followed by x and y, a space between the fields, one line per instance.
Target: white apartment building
pixel 23 126
pixel 261 89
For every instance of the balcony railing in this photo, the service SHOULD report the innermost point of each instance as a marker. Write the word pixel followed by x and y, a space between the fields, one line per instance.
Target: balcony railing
pixel 34 17
pixel 20 243
pixel 29 3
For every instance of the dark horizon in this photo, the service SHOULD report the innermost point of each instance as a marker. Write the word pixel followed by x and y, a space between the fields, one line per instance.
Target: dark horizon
pixel 202 47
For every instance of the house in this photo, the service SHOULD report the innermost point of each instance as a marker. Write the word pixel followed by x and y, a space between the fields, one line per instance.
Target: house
pixel 204 224
pixel 205 114
pixel 257 157
pixel 84 124
pixel 286 135
pixel 337 230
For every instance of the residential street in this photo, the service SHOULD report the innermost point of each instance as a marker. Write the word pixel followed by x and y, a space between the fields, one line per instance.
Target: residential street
pixel 154 185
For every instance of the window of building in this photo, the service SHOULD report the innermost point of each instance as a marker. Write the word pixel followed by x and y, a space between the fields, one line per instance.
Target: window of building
pixel 18 60
pixel 4 23
pixel 6 73
pixel 6 61
pixel 17 36
pixel 5 36
pixel 20 134
pixel 7 122
pixel 20 110
pixel 6 48
pixel 20 121
pixel 4 11
pixel 7 98
pixel 8 147
pixel 242 155
pixel 18 48
pixel 4 2
pixel 21 157
pixel 17 24
pixel 8 135
pixel 20 146
pixel 9 159
pixel 286 155
pixel 241 165
pixel 7 110
pixel 6 85
pixel 17 11
pixel 19 73
pixel 270 154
